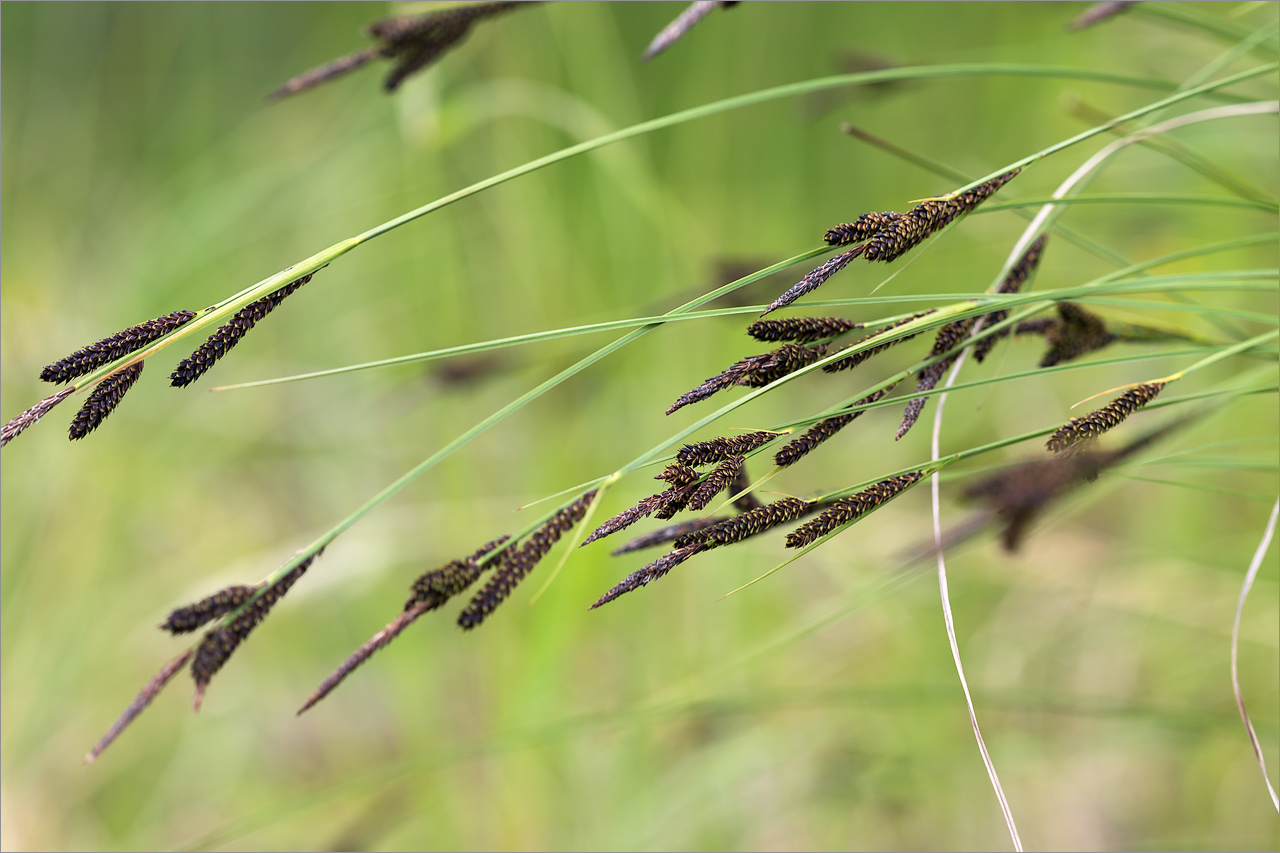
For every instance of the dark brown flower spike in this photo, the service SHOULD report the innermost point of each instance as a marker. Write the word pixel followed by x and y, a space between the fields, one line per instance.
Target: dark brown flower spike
pixel 628 517
pixel 220 643
pixel 673 500
pixel 516 564
pixel 679 475
pixel 139 704
pixel 887 235
pixel 187 619
pixel 1076 333
pixel 1099 12
pixel 1099 421
pixel 220 342
pixel 717 481
pixel 771 366
pixel 851 361
pixel 437 586
pixel 670 533
pixel 863 228
pixel 949 336
pixel 1018 494
pixel 900 235
pixel 19 423
pixel 801 330
pixel 814 279
pixel 749 524
pixel 651 572
pixel 107 350
pixel 796 449
pixel 1012 283
pixel 684 22
pixel 430 591
pixel 725 532
pixel 413 42
pixel 103 400
pixel 754 371
pixel 720 449
pixel 378 641
pixel 845 510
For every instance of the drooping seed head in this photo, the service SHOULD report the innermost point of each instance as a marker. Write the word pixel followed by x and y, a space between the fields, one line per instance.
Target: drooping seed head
pixel 749 524
pixel 863 228
pixel 772 366
pixel 670 533
pixel 949 337
pixel 628 517
pixel 754 371
pixel 851 361
pixel 717 481
pixel 107 350
pixel 227 336
pixel 139 704
pixel 519 562
pixel 187 619
pixel 103 400
pixel 1076 333
pixel 845 510
pixel 801 330
pixel 1099 421
pixel 1012 283
pixel 720 449
pixel 679 475
pixel 20 423
pixel 651 572
pixel 796 449
pixel 814 279
pixel 902 234
pixel 220 643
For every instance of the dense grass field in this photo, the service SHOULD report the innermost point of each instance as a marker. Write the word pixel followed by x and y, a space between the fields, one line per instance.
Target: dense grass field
pixel 143 172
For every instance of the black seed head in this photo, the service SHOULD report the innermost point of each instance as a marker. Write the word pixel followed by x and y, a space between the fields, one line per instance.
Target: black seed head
pixel 904 233
pixel 845 510
pixel 814 279
pixel 220 643
pixel 651 572
pixel 1099 421
pixel 717 481
pixel 801 330
pixel 749 523
pixel 667 534
pixel 104 400
pixel 1012 283
pixel 863 228
pixel 1076 333
pixel 227 336
pixel 519 562
pixel 720 449
pixel 679 475
pixel 796 449
pixel 857 358
pixel 107 350
pixel 187 619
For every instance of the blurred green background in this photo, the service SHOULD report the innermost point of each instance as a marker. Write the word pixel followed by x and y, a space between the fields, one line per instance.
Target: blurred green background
pixel 143 173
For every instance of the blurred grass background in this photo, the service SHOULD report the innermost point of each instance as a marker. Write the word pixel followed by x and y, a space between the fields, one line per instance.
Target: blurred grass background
pixel 143 173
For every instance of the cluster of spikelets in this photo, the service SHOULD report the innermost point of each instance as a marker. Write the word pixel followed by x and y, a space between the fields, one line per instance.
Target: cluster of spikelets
pixel 110 391
pixel 411 43
pixel 694 478
pixel 414 43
